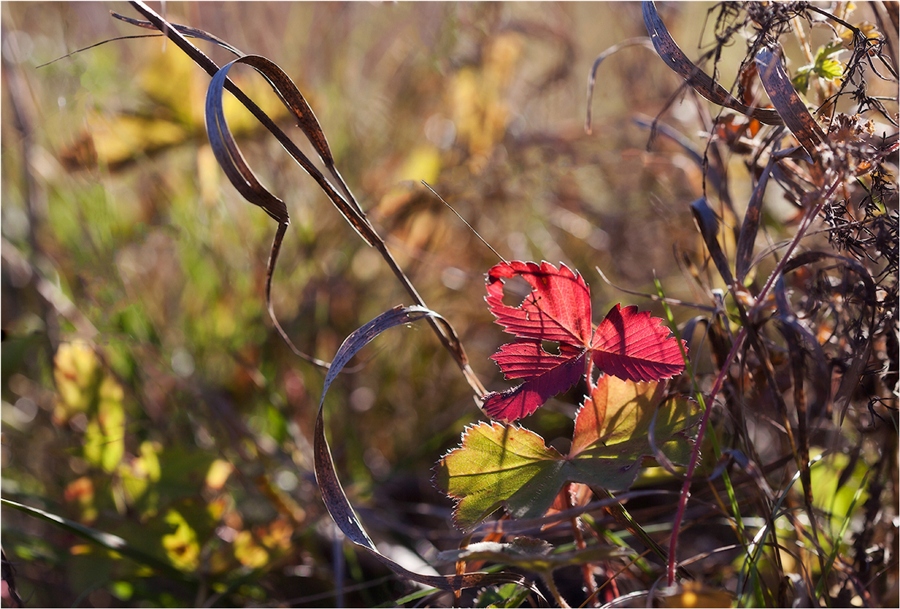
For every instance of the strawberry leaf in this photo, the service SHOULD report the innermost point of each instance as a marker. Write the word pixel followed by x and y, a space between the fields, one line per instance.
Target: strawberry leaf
pixel 547 374
pixel 558 308
pixel 602 411
pixel 499 465
pixel 615 421
pixel 628 344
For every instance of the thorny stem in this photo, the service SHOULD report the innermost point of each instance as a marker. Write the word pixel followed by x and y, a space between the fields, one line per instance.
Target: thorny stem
pixel 672 563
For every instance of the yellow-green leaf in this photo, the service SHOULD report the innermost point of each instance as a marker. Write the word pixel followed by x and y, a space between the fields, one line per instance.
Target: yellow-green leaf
pixel 505 465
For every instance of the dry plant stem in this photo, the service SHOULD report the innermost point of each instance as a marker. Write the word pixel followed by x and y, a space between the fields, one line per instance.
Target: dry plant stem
pixel 448 338
pixel 672 563
pixel 551 585
pixel 590 584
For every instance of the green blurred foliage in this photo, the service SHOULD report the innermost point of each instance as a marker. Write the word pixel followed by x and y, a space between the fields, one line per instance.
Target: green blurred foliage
pixel 144 390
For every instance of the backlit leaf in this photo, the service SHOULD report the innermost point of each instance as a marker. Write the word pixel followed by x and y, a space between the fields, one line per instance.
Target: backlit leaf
pixel 499 465
pixel 605 404
pixel 629 344
pixel 558 308
pixel 547 375
pixel 616 420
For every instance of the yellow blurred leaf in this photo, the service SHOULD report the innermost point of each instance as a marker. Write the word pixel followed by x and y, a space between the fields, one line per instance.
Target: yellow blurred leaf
pixel 118 140
pixel 149 460
pixel 278 535
pixel 172 81
pixel 423 163
pixel 218 474
pixel 177 89
pixel 81 492
pixel 181 546
pixel 480 111
pixel 137 475
pixel 77 373
pixel 248 552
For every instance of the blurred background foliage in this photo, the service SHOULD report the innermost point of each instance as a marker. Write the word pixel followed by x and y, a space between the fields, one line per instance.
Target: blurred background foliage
pixel 144 391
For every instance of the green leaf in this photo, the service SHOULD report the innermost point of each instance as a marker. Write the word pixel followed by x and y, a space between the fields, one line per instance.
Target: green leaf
pixel 824 66
pixel 507 466
pixel 829 69
pixel 801 79
pixel 507 595
pixel 499 464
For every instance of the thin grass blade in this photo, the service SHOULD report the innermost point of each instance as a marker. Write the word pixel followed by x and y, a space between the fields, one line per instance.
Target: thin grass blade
pixel 105 540
pixel 750 225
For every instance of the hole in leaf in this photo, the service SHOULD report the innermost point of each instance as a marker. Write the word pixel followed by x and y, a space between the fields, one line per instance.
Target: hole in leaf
pixel 550 346
pixel 515 290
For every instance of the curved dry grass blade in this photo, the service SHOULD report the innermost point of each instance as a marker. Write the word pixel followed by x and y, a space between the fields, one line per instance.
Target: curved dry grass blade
pixel 852 375
pixel 787 102
pixel 750 226
pixel 445 332
pixel 270 271
pixel 222 141
pixel 229 155
pixel 211 68
pixel 702 83
pixel 642 40
pixel 295 102
pixel 333 493
pixel 673 134
pixel 708 224
pixel 244 180
pixel 801 344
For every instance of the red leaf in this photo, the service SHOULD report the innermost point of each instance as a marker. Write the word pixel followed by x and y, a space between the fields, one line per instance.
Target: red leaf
pixel 630 344
pixel 547 374
pixel 558 308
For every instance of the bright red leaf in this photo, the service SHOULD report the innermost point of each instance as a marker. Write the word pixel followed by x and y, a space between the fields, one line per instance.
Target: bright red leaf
pixel 629 344
pixel 632 345
pixel 558 308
